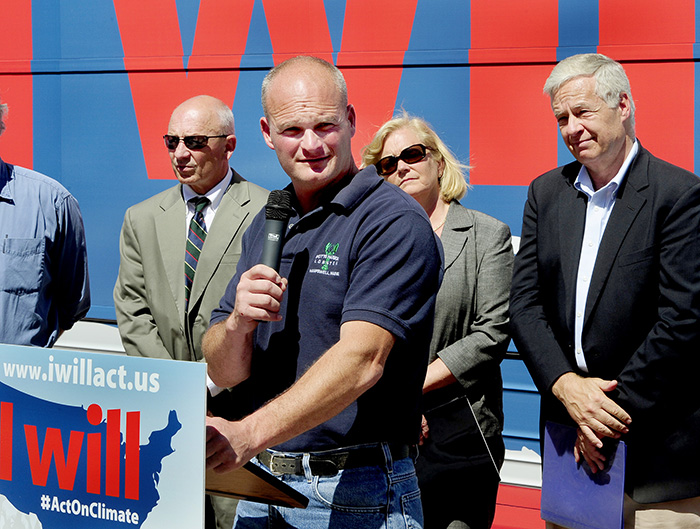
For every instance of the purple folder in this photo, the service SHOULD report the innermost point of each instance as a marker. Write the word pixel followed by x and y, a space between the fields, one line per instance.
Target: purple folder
pixel 574 497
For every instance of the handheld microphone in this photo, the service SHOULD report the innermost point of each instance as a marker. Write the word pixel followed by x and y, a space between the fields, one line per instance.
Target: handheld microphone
pixel 277 213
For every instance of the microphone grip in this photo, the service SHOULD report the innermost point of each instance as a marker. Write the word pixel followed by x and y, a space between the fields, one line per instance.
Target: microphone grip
pixel 272 244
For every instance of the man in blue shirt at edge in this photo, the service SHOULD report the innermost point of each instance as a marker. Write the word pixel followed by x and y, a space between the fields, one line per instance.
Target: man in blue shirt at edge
pixel 332 350
pixel 44 287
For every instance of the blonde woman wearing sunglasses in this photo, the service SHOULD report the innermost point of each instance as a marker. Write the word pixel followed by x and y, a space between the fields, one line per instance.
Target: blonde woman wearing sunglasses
pixel 458 479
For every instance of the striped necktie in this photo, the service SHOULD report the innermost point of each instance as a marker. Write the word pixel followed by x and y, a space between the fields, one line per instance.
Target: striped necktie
pixel 195 241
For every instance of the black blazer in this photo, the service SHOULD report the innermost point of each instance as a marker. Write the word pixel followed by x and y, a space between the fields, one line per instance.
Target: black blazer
pixel 642 319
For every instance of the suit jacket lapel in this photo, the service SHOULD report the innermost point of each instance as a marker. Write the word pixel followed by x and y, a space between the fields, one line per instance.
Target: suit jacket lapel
pixel 572 220
pixel 455 234
pixel 226 226
pixel 628 204
pixel 171 236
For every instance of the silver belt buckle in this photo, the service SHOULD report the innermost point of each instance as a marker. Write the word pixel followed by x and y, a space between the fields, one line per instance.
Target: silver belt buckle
pixel 273 465
pixel 280 464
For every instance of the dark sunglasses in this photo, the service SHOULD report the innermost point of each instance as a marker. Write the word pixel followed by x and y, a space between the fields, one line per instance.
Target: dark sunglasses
pixel 413 154
pixel 193 143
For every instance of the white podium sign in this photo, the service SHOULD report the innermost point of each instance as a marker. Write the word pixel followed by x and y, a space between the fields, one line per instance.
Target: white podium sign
pixel 100 441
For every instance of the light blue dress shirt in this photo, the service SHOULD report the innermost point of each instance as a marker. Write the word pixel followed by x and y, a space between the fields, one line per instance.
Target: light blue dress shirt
pixel 43 260
pixel 598 210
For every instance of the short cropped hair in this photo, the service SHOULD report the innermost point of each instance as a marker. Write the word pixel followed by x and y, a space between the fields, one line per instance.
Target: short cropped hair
pixel 610 78
pixel 226 120
pixel 336 74
pixel 453 184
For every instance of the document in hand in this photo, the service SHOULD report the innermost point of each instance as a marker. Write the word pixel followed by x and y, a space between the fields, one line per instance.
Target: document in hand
pixel 452 424
pixel 574 497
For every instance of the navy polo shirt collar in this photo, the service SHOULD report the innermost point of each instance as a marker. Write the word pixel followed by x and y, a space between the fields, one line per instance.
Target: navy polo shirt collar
pixel 351 190
pixel 361 184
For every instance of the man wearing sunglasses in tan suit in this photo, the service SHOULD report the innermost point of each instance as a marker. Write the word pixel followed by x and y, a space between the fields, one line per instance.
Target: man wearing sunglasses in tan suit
pixel 163 300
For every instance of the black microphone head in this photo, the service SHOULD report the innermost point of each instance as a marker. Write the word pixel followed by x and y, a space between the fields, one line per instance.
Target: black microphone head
pixel 279 205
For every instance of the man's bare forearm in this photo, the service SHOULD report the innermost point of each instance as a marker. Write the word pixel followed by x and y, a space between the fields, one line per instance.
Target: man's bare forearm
pixel 335 381
pixel 228 354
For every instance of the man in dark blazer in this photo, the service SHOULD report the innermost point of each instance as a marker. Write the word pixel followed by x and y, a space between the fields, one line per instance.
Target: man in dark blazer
pixel 605 302
pixel 150 300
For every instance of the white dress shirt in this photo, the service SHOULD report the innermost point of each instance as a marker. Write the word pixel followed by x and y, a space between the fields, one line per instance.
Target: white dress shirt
pixel 215 194
pixel 598 210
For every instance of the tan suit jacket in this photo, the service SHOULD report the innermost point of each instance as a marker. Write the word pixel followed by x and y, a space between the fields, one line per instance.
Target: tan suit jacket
pixel 149 295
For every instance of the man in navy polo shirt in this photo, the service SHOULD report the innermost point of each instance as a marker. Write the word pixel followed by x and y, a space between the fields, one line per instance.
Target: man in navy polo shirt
pixel 332 350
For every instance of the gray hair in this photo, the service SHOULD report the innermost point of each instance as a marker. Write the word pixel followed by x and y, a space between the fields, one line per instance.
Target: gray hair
pixel 3 111
pixel 610 78
pixel 335 73
pixel 223 113
pixel 226 120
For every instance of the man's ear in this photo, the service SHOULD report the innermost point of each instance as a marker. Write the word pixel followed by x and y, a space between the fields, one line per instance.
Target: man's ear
pixel 625 106
pixel 230 145
pixel 265 129
pixel 352 118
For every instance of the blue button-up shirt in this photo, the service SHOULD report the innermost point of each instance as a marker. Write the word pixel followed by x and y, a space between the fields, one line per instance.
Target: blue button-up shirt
pixel 43 260
pixel 600 206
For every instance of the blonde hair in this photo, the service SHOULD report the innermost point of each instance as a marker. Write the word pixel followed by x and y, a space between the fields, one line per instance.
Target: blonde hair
pixel 453 184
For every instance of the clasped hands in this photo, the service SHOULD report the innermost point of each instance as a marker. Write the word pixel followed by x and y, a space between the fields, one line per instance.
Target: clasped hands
pixel 596 415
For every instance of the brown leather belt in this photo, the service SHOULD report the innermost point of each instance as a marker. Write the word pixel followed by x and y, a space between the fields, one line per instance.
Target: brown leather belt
pixel 329 463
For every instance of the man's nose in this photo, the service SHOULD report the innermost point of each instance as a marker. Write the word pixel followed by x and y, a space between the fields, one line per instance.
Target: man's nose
pixel 573 125
pixel 310 141
pixel 181 151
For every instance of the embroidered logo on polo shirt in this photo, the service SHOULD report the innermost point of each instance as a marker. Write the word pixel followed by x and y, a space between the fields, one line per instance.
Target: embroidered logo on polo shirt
pixel 326 260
